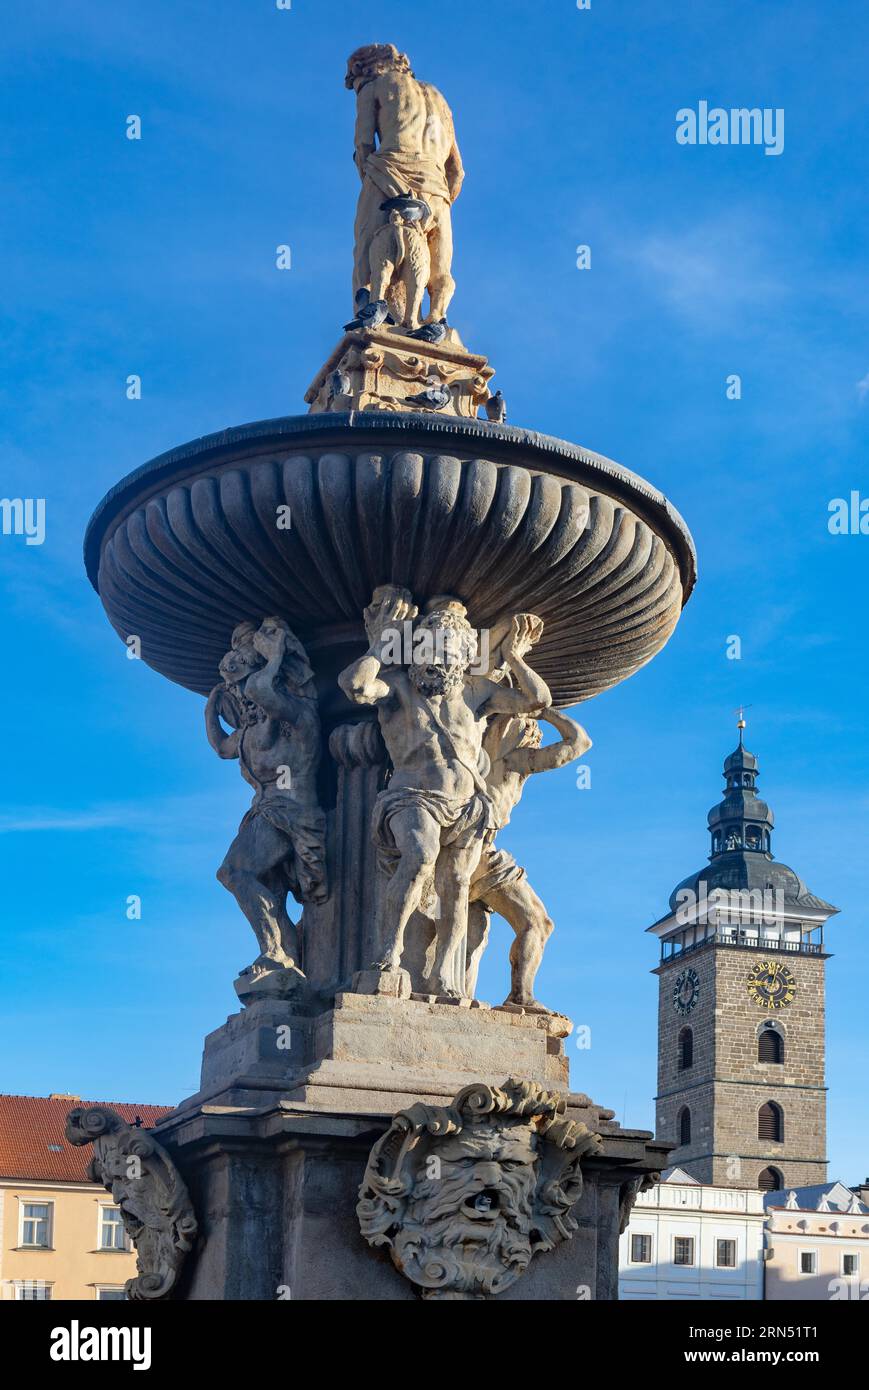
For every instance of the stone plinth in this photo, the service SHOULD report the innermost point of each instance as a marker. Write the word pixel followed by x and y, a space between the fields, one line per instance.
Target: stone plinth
pixel 374 1055
pixel 382 367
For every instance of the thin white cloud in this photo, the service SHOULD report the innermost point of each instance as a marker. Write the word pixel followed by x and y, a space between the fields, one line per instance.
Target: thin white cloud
pixel 711 272
pixel 863 387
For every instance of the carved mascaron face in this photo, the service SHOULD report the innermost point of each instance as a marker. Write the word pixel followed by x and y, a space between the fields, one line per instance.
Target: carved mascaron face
pixel 469 1215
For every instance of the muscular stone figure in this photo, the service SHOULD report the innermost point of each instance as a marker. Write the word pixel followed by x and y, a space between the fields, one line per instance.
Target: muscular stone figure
pixel 267 694
pixel 499 884
pixel 430 823
pixel 405 143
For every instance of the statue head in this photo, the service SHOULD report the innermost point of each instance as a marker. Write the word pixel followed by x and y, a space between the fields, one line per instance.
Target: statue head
pixel 371 60
pixel 444 646
pixel 239 663
pixel 464 1195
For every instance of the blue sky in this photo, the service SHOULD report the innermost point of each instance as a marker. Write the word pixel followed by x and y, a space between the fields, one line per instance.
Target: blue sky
pixel 157 258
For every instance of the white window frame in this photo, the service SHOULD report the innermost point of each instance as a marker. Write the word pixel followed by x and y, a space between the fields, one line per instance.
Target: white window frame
pixel 854 1255
pixel 644 1235
pixel 728 1240
pixel 123 1249
pixel 44 1285
pixel 100 1289
pixel 807 1273
pixel 683 1264
pixel 23 1204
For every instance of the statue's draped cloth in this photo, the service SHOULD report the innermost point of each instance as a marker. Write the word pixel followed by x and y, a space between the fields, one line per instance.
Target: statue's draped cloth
pixel 394 172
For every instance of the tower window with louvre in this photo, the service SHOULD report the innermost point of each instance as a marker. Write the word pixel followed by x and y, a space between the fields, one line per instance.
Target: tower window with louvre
pixel 684 1125
pixel 771 1122
pixel 686 1049
pixel 771 1047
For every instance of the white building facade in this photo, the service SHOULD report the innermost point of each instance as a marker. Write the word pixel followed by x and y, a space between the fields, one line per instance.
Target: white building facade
pixel 687 1240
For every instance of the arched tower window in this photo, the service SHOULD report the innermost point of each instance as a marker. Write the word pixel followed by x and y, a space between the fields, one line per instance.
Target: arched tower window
pixel 686 1049
pixel 771 1047
pixel 684 1118
pixel 771 1122
pixel 770 1180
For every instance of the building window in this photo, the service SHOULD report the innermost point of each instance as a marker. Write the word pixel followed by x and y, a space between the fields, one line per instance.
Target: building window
pixel 683 1250
pixel 850 1264
pixel 770 1180
pixel 36 1224
pixel 725 1254
pixel 32 1290
pixel 111 1293
pixel 112 1233
pixel 686 1049
pixel 684 1121
pixel 771 1122
pixel 641 1250
pixel 808 1262
pixel 771 1047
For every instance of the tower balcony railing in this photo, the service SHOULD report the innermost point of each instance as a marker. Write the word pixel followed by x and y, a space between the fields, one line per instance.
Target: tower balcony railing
pixel 740 939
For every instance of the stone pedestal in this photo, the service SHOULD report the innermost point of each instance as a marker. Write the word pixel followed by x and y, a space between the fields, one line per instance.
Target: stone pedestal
pixel 382 367
pixel 274 1146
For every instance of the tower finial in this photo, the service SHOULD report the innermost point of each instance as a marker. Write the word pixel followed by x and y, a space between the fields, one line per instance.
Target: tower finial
pixel 741 720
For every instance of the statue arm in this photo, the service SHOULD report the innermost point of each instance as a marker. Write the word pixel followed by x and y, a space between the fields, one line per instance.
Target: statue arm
pixel 362 683
pixel 366 126
pixel 224 744
pixel 454 170
pixel 266 689
pixel 573 743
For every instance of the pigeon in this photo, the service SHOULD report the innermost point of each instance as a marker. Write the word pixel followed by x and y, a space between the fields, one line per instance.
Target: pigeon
pixel 411 209
pixel 430 332
pixel 496 409
pixel 339 383
pixel 370 315
pixel 435 396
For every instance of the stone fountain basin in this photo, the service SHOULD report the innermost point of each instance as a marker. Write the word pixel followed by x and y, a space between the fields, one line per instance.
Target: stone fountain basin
pixel 503 518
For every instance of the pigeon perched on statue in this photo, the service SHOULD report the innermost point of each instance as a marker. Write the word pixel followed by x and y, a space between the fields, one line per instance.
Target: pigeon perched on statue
pixel 496 409
pixel 370 315
pixel 339 382
pixel 430 332
pixel 434 397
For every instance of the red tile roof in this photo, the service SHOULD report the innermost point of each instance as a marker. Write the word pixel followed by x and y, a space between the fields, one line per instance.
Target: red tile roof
pixel 30 1125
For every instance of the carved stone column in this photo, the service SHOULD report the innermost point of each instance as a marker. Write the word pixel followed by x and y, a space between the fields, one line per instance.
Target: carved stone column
pixel 339 936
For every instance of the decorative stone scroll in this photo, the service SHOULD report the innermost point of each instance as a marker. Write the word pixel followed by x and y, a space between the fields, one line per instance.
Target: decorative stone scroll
pixel 155 1205
pixel 464 1195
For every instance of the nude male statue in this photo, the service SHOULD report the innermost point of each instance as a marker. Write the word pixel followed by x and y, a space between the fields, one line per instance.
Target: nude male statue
pixel 512 745
pixel 267 693
pixel 430 823
pixel 405 143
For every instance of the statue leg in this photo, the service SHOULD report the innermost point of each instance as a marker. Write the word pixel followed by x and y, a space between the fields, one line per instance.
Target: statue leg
pixel 441 285
pixel 417 838
pixel 479 917
pixel 368 219
pixel 452 880
pixel 258 849
pixel 520 906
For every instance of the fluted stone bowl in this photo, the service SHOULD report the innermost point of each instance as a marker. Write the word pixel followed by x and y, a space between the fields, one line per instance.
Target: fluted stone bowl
pixel 504 518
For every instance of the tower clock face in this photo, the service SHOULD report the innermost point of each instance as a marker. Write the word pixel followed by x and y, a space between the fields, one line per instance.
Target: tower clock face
pixel 771 985
pixel 686 991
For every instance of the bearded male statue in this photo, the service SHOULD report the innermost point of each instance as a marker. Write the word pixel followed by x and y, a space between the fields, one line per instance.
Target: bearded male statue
pixel 431 822
pixel 404 144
